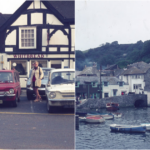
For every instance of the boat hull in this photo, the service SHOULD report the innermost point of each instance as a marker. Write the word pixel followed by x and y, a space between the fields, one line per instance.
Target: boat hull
pixel 95 119
pixel 128 128
pixel 147 125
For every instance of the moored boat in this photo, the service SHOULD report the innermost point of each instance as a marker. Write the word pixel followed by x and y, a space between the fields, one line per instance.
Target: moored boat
pixel 95 119
pixel 105 116
pixel 112 106
pixel 117 115
pixel 128 128
pixel 147 125
pixel 82 119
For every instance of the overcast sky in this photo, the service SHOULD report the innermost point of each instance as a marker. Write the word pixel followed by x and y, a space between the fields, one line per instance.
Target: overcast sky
pixel 98 21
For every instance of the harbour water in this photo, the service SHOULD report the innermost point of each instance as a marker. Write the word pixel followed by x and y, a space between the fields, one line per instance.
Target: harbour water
pixel 99 136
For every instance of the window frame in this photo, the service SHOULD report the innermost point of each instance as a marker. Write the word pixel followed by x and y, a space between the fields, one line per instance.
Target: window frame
pixel 35 37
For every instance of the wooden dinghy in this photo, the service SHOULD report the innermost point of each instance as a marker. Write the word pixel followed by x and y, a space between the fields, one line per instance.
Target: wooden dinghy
pixel 105 116
pixel 127 128
pixel 95 119
pixel 147 125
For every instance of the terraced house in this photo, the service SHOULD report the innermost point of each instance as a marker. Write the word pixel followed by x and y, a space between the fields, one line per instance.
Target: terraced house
pixel 38 30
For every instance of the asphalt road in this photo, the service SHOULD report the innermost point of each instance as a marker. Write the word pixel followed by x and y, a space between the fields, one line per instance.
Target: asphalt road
pixel 29 126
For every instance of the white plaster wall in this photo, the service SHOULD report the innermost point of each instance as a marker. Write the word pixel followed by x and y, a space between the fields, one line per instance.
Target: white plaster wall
pixel 64 49
pixel 36 18
pixel 31 6
pixel 37 4
pixel 53 49
pixel 43 49
pixel 22 20
pixel 72 37
pixel 11 38
pixel 43 6
pixel 66 62
pixel 72 64
pixel 109 89
pixel 137 81
pixel 72 48
pixel 58 39
pixel 51 19
pixel 44 37
pixel 9 49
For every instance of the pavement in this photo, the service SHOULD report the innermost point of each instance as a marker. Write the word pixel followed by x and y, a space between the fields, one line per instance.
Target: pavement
pixel 29 126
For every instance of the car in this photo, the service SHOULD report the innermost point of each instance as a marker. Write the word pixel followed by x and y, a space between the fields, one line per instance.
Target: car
pixel 10 89
pixel 29 90
pixel 60 89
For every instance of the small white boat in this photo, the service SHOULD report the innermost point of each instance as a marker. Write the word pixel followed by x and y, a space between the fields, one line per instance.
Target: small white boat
pixel 107 117
pixel 128 128
pixel 147 125
pixel 95 119
pixel 82 119
pixel 117 115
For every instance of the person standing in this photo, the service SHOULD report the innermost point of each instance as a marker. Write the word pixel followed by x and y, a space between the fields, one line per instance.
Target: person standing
pixel 36 76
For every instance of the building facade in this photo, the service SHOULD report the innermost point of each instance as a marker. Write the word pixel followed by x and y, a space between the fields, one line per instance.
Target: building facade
pixel 38 30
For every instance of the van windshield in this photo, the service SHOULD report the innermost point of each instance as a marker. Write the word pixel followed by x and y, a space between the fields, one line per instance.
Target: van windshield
pixel 6 77
pixel 65 77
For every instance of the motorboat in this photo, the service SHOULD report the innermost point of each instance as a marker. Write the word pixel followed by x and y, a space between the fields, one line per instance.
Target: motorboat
pixel 128 128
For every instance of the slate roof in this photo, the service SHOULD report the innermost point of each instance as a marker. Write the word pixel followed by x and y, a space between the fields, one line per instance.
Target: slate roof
pixel 89 71
pixel 4 18
pixel 111 80
pixel 61 6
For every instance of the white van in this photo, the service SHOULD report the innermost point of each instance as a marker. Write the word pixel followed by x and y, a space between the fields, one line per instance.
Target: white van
pixel 60 89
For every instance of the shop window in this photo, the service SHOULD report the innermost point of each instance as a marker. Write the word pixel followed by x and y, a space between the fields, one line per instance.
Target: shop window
pixel 21 66
pixel 27 38
pixel 137 86
pixel 56 66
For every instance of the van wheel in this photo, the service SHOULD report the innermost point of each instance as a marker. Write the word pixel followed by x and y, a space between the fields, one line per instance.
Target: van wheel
pixel 15 103
pixel 50 109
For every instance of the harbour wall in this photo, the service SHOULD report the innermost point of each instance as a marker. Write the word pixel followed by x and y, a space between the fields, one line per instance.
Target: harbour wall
pixel 134 100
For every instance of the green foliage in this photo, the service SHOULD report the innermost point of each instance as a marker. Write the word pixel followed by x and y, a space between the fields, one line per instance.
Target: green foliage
pixel 114 53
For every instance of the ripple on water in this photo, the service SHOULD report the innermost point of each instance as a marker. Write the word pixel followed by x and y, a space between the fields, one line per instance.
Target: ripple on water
pixel 99 136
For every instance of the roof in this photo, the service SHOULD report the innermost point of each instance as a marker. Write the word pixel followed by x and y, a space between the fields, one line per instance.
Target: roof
pixel 63 10
pixel 61 6
pixel 134 71
pixel 111 80
pixel 4 18
pixel 89 71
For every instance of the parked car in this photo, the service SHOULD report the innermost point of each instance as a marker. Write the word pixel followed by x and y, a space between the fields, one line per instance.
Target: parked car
pixel 10 89
pixel 30 92
pixel 60 89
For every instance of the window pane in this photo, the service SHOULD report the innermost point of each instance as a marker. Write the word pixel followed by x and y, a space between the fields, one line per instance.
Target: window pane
pixel 22 31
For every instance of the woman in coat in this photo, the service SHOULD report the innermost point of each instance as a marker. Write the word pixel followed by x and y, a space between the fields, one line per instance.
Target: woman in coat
pixel 36 76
